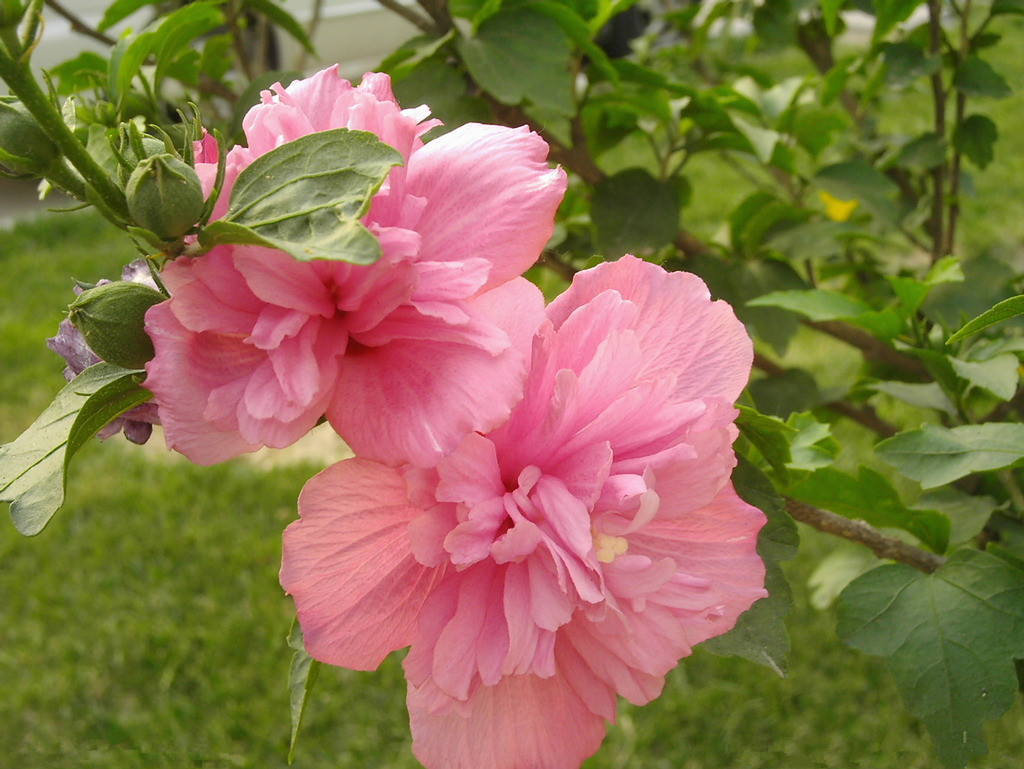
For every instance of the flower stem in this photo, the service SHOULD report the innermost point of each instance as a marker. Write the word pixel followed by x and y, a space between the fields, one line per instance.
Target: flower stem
pixel 22 83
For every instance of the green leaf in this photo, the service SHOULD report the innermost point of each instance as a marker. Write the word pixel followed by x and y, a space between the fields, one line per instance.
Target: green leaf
pixel 871 498
pixel 1008 308
pixel 857 180
pixel 301 677
pixel 793 390
pixel 968 513
pixel 33 467
pixel 284 20
pixel 935 455
pixel 998 375
pixel 906 62
pixel 923 153
pixel 815 304
pixel 769 435
pixel 760 633
pixel 633 212
pixel 949 640
pixel 974 137
pixel 813 446
pixel 830 13
pixel 120 10
pixel 925 396
pixel 579 32
pixel 306 197
pixel 1007 6
pixel 521 56
pixel 975 77
pixel 889 13
pixel 164 39
pixel 762 140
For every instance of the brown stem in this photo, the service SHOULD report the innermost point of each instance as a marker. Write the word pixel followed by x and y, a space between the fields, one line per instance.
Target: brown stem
pixel 864 534
pixel 430 26
pixel 936 224
pixel 438 11
pixel 78 25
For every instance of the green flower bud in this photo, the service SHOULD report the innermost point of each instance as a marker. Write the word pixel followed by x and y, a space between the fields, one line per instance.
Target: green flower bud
pixel 111 318
pixel 164 196
pixel 25 150
pixel 150 146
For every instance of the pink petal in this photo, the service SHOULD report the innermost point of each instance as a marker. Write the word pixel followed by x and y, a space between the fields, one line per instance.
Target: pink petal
pixel 717 543
pixel 523 722
pixel 415 400
pixel 348 565
pixel 187 367
pixel 489 194
pixel 682 332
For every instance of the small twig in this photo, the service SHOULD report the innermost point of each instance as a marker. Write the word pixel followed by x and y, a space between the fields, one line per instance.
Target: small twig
pixel 936 223
pixel 78 25
pixel 864 534
pixel 554 262
pixel 873 349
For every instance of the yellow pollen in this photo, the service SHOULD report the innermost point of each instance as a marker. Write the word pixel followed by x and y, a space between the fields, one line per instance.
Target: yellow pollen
pixel 608 546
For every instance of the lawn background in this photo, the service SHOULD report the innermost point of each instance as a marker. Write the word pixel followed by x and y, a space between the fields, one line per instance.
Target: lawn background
pixel 145 626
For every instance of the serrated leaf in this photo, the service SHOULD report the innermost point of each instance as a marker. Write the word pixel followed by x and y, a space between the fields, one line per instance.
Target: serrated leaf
pixel 769 435
pixel 871 498
pixel 521 56
pixel 974 137
pixel 1008 308
pixel 760 633
pixel 949 640
pixel 633 212
pixel 33 467
pixel 975 77
pixel 998 375
pixel 813 446
pixel 306 197
pixel 301 676
pixel 934 455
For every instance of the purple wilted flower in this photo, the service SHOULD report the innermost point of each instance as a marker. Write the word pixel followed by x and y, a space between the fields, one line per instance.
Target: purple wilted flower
pixel 68 343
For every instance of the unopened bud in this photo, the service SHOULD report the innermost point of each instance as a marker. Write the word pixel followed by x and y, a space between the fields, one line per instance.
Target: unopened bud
pixel 165 196
pixel 25 150
pixel 151 146
pixel 111 319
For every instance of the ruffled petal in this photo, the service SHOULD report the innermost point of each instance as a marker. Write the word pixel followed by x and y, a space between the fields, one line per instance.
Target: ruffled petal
pixel 522 722
pixel 684 335
pixel 348 565
pixel 490 194
pixel 415 400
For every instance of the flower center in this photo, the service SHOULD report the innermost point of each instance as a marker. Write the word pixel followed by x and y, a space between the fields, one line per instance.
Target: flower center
pixel 607 547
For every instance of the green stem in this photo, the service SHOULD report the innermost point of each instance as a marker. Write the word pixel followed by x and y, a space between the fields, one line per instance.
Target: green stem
pixel 21 82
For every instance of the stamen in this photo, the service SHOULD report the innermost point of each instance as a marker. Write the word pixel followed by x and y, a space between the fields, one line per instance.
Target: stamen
pixel 608 547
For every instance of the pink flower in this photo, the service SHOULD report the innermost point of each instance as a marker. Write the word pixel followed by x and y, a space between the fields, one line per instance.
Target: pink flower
pixel 572 554
pixel 402 356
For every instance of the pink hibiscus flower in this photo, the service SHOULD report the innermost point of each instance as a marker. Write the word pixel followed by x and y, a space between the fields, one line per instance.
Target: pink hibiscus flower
pixel 572 554
pixel 402 356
